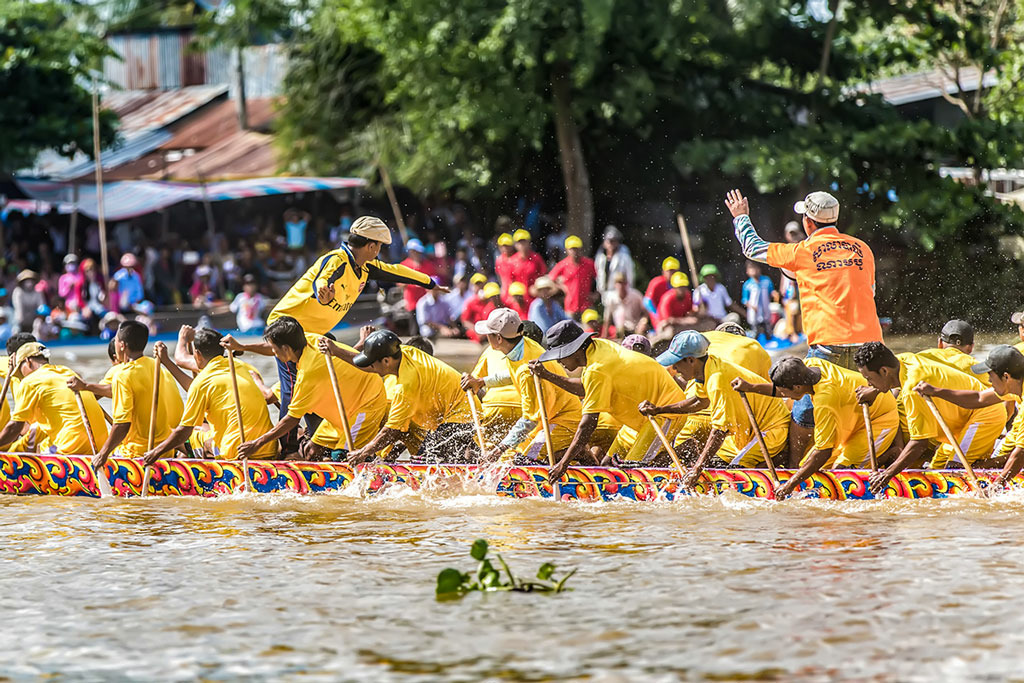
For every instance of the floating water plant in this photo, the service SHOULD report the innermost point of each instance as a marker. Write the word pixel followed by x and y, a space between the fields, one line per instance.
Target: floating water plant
pixel 451 583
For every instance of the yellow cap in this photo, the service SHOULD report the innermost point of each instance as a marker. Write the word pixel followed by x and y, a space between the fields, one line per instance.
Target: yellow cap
pixel 505 240
pixel 589 316
pixel 477 278
pixel 492 289
pixel 679 279
pixel 30 350
pixel 517 289
pixel 521 234
pixel 671 263
pixel 573 242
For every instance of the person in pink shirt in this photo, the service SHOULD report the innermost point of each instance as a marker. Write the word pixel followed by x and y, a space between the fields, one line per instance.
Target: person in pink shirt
pixel 657 287
pixel 576 274
pixel 417 260
pixel 527 265
pixel 517 299
pixel 503 265
pixel 69 285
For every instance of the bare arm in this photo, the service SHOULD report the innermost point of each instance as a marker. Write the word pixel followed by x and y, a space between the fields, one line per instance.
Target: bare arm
pixel 261 348
pixel 177 437
pixel 327 346
pixel 118 433
pixel 684 407
pixel 1012 468
pixel 578 447
pixel 283 426
pixel 183 349
pixel 572 385
pixel 77 384
pixel 714 442
pixel 911 453
pixel 10 432
pixel 972 400
pixel 815 461
pixel 385 437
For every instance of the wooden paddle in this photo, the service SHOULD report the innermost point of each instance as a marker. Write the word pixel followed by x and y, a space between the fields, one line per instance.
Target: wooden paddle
pixel 971 477
pixel 541 401
pixel 760 437
pixel 345 428
pixel 668 446
pixel 870 431
pixel 101 476
pixel 685 235
pixel 238 416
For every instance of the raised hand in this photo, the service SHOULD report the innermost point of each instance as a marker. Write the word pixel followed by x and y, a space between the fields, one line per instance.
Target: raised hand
pixel 737 203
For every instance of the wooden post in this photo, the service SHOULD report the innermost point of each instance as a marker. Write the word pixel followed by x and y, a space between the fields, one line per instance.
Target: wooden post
pixel 100 211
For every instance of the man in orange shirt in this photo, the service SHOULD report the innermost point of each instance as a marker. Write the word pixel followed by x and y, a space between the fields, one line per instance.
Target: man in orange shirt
pixel 835 274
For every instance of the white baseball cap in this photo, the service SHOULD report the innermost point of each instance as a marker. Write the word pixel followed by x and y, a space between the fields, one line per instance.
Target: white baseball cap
pixel 820 207
pixel 372 228
pixel 503 321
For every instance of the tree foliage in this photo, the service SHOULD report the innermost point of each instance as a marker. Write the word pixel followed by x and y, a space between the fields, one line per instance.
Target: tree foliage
pixel 45 63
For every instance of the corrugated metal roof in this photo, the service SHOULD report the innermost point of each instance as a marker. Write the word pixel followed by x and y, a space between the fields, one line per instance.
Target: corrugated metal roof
pixel 167 107
pixel 160 60
pixel 927 85
pixel 242 155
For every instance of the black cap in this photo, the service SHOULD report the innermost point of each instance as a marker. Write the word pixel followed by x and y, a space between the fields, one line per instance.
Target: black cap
pixel 563 339
pixel 380 344
pixel 958 332
pixel 789 372
pixel 1002 359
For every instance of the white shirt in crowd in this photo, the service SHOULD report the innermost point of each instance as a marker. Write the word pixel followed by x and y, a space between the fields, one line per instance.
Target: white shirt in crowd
pixel 716 300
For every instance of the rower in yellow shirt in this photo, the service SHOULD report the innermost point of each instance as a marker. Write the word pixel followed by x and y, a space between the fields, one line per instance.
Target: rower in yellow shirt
pixel 976 430
pixel 501 402
pixel 615 380
pixel 43 397
pixel 955 346
pixel 840 437
pixel 329 288
pixel 503 330
pixel 211 399
pixel 427 393
pixel 732 437
pixel 729 341
pixel 132 397
pixel 362 393
pixel 1005 369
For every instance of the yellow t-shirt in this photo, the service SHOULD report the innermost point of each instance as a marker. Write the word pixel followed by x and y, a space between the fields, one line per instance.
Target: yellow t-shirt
pixel 955 358
pixel 921 424
pixel 361 392
pixel 211 399
pixel 563 408
pixel 616 380
pixel 742 351
pixel 44 398
pixel 108 376
pixel 427 392
pixel 492 360
pixel 727 412
pixel 338 269
pixel 837 415
pixel 131 393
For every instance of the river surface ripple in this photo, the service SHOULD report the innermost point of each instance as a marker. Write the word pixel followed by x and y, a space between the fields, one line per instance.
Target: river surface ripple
pixel 338 588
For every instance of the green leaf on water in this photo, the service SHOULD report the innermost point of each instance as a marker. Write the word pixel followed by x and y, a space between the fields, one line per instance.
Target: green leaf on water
pixel 479 549
pixel 449 581
pixel 545 572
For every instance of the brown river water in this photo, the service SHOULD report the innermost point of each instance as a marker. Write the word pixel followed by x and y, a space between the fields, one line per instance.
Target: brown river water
pixel 335 587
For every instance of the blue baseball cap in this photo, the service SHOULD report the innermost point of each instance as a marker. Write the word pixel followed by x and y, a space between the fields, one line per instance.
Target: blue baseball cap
pixel 686 344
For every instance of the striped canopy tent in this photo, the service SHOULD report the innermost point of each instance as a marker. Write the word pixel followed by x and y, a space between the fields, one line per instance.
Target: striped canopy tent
pixel 129 198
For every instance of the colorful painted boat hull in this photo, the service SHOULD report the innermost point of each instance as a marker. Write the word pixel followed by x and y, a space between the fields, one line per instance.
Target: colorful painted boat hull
pixel 55 475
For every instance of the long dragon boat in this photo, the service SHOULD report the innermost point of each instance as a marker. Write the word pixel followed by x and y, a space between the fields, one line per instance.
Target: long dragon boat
pixel 57 475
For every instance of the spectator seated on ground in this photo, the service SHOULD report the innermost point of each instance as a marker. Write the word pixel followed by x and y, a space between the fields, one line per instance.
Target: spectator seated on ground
pixel 545 310
pixel 626 308
pixel 434 317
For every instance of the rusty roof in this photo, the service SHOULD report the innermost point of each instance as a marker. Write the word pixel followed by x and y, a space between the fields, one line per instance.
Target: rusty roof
pixel 243 154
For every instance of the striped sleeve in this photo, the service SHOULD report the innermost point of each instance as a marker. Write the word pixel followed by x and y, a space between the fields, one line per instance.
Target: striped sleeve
pixel 754 248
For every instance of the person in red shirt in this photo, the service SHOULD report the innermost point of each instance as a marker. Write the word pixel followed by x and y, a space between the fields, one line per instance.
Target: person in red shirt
pixel 479 307
pixel 657 287
pixel 675 310
pixel 417 260
pixel 576 274
pixel 527 265
pixel 517 301
pixel 503 265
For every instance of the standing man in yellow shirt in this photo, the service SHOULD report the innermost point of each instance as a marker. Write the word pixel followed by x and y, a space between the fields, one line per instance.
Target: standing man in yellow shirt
pixel 503 330
pixel 732 436
pixel 362 393
pixel 211 399
pixel 615 381
pixel 840 436
pixel 43 397
pixel 426 393
pixel 132 395
pixel 326 292
pixel 976 430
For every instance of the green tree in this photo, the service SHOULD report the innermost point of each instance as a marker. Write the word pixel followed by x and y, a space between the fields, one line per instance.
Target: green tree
pixel 44 62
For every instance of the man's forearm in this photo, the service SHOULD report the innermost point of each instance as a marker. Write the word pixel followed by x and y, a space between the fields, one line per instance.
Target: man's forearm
pixel 283 426
pixel 118 433
pixel 585 430
pixel 98 389
pixel 1013 465
pixel 763 389
pixel 714 442
pixel 177 437
pixel 911 452
pixel 815 462
pixel 971 400
pixel 385 437
pixel 9 433
pixel 261 348
pixel 754 248
pixel 179 375
pixel 684 407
